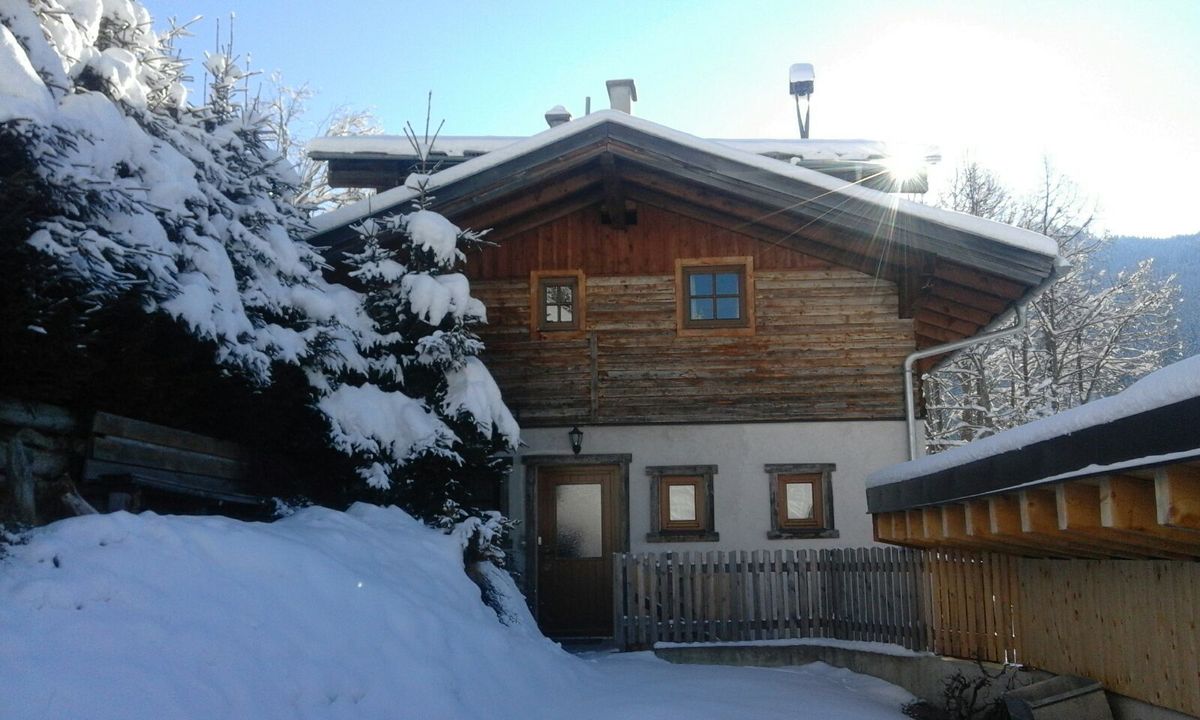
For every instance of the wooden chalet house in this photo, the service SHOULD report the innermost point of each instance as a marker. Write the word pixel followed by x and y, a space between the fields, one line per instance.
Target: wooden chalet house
pixel 725 329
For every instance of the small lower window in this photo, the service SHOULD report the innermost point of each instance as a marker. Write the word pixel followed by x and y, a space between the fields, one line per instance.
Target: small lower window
pixel 681 503
pixel 801 501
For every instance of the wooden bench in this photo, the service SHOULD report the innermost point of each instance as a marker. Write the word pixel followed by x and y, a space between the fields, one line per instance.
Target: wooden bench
pixel 198 473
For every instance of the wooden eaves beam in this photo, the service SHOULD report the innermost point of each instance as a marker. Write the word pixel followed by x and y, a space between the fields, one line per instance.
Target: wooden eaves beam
pixel 1129 503
pixel 1118 516
pixel 1177 497
pixel 1078 510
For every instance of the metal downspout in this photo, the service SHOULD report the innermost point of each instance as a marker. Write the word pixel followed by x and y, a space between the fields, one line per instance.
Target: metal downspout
pixel 910 409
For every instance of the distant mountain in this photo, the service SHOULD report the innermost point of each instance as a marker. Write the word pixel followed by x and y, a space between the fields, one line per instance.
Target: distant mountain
pixel 1179 255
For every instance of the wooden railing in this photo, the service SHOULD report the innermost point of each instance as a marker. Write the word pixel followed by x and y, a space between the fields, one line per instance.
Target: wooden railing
pixel 855 594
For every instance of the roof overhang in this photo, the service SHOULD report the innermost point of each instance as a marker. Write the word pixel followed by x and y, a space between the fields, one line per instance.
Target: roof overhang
pixel 1115 478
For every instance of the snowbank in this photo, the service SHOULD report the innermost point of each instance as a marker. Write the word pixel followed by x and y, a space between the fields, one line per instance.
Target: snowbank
pixel 362 614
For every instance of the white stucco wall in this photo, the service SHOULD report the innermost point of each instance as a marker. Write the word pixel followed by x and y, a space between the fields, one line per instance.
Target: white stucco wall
pixel 741 487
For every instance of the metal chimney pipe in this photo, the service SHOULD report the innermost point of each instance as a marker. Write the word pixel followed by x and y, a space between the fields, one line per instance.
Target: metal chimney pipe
pixel 622 94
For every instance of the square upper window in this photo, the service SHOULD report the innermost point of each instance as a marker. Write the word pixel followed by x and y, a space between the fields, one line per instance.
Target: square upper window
pixel 556 302
pixel 715 294
pixel 681 499
pixel 801 501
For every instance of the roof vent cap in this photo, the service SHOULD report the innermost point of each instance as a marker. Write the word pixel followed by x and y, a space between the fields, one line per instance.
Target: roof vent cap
pixel 557 115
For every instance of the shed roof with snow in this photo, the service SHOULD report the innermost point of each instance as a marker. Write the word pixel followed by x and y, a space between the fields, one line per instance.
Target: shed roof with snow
pixel 1115 477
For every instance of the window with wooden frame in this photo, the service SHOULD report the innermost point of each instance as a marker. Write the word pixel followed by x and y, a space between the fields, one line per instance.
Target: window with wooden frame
pixel 715 294
pixel 681 504
pixel 801 501
pixel 556 303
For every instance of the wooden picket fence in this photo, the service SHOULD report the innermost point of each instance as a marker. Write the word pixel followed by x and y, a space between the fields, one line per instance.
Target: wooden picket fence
pixel 922 600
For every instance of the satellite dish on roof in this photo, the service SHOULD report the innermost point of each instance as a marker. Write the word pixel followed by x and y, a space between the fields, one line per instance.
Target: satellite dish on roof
pixel 800 85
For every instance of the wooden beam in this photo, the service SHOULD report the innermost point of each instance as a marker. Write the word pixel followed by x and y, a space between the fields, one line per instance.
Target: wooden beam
pixel 513 226
pixel 969 297
pixel 915 533
pixel 954 530
pixel 958 311
pixel 978 280
pixel 979 525
pixel 964 328
pixel 1004 518
pixel 1177 497
pixel 911 283
pixel 804 235
pixel 1129 503
pixel 614 194
pixel 506 209
pixel 1039 515
pixel 1077 506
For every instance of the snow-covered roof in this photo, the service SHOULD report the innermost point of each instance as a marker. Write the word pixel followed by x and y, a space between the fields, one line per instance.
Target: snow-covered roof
pixel 466 146
pixel 396 197
pixel 1173 384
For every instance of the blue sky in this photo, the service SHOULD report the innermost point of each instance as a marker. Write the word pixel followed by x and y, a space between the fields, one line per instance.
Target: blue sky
pixel 1106 89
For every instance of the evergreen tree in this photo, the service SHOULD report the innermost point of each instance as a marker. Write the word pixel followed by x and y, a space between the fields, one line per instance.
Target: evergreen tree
pixel 423 348
pixel 117 196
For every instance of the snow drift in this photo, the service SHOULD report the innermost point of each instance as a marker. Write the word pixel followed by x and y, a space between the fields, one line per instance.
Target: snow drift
pixel 363 614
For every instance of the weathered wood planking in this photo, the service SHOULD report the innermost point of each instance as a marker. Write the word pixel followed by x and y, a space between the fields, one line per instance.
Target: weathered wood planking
pixel 580 241
pixel 828 345
pixel 692 597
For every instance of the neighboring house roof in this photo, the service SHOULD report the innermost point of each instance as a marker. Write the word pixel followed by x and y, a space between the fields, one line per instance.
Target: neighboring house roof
pixel 1153 422
pixel 995 232
pixel 466 146
pixel 956 273
pixel 383 161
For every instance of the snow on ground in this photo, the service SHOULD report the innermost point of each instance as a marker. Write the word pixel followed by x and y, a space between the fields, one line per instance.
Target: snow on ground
pixel 642 687
pixel 879 648
pixel 362 614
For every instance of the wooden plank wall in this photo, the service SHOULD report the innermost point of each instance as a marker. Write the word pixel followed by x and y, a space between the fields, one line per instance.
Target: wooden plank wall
pixel 580 241
pixel 828 345
pixel 1133 625
pixel 869 594
pixel 828 342
pixel 971 604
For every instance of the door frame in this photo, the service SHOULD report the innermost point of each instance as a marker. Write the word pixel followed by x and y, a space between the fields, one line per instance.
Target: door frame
pixel 532 463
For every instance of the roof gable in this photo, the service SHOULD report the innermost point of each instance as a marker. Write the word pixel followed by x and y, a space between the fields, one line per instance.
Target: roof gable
pixel 957 273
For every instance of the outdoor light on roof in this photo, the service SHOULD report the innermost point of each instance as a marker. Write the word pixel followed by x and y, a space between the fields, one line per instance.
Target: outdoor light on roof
pixel 800 84
pixel 800 79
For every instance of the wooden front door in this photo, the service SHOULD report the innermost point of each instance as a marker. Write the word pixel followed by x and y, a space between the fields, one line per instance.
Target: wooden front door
pixel 576 538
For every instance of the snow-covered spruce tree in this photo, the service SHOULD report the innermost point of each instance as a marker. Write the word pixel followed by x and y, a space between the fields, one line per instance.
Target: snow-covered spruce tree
pixel 423 349
pixel 130 215
pixel 1089 334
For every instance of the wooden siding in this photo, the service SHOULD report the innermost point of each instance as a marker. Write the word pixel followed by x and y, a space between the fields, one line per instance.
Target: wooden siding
pixel 828 342
pixel 651 246
pixel 1134 625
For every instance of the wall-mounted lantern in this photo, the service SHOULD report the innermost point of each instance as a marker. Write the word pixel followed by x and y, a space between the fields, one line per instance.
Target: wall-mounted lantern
pixel 576 436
